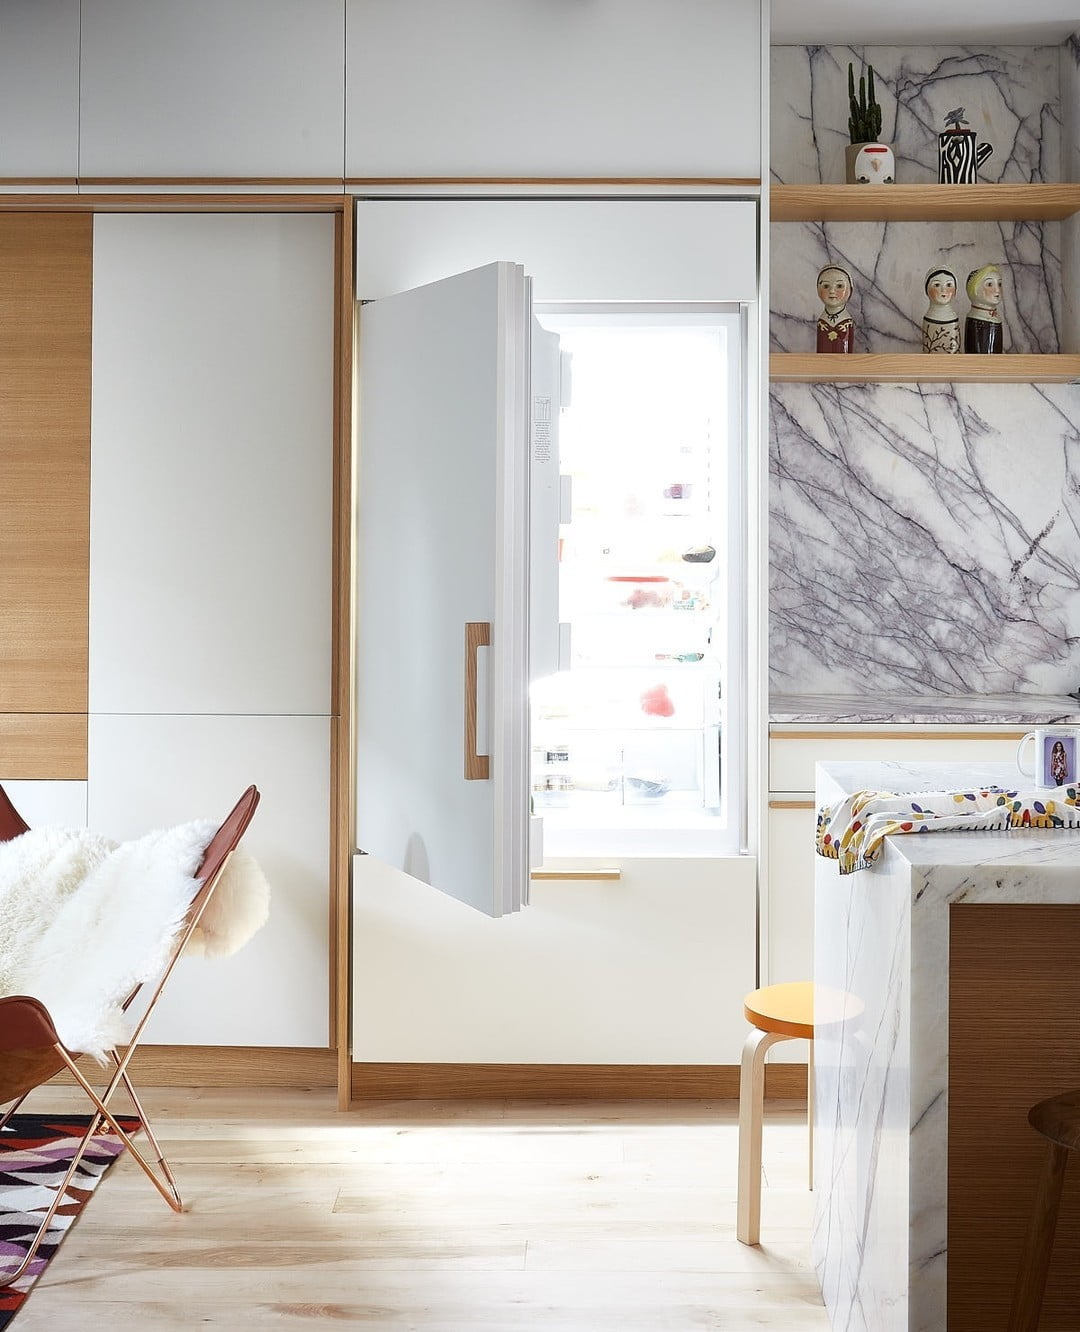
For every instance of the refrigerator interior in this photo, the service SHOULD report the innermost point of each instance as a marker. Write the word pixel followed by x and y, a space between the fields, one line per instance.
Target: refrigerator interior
pixel 630 733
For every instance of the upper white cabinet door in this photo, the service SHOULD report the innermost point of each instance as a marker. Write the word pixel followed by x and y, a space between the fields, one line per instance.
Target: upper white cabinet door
pixel 574 249
pixel 212 88
pixel 156 772
pixel 543 88
pixel 212 448
pixel 442 727
pixel 39 88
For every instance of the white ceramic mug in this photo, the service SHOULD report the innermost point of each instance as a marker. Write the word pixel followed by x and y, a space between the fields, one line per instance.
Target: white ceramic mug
pixel 1057 749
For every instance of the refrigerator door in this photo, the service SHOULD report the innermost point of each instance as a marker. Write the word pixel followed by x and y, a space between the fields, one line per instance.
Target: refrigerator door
pixel 442 741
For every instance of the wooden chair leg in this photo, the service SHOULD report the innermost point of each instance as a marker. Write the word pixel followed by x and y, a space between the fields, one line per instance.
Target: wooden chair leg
pixel 751 1112
pixel 810 1111
pixel 1039 1243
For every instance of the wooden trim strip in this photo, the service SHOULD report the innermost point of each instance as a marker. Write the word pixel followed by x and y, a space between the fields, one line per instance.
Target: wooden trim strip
pixel 589 1082
pixel 308 182
pixel 740 182
pixel 575 874
pixel 353 182
pixel 342 795
pixel 175 203
pixel 941 734
pixel 792 804
pixel 226 1066
pixel 477 635
pixel 43 746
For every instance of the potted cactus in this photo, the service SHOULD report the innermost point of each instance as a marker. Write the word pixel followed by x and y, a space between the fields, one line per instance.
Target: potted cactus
pixel 869 161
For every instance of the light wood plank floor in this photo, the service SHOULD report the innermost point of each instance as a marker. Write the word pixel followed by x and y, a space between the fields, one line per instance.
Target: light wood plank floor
pixel 441 1217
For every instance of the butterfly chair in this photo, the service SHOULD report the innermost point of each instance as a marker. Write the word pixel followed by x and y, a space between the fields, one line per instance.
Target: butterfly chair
pixel 31 1052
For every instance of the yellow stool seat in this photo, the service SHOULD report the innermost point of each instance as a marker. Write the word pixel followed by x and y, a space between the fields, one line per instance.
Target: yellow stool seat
pixel 787 1010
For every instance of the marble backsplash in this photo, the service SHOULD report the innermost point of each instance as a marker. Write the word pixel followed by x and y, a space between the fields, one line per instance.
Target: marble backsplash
pixel 1011 96
pixel 888 263
pixel 925 539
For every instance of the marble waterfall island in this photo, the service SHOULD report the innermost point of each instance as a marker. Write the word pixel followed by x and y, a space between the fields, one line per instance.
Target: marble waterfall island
pixel 956 960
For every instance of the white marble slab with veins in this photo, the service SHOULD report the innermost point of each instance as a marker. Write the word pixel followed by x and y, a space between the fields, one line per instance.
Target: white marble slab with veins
pixel 881 939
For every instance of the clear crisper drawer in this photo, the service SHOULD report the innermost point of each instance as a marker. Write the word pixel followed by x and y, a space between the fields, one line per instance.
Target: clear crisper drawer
pixel 626 778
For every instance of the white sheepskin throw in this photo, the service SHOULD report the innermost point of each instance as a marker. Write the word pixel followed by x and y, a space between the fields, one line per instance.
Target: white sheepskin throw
pixel 83 920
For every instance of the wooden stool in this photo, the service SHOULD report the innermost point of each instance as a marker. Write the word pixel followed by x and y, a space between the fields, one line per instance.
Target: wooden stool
pixel 1058 1120
pixel 777 1013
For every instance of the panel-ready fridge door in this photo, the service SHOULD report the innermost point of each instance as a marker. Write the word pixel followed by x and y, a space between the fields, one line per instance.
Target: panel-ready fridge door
pixel 442 740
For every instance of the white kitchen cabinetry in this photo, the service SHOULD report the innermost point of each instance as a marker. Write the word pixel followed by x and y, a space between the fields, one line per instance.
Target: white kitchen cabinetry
pixel 604 89
pixel 42 803
pixel 212 448
pixel 210 579
pixel 153 772
pixel 250 88
pixel 39 88
pixel 649 969
pixel 573 249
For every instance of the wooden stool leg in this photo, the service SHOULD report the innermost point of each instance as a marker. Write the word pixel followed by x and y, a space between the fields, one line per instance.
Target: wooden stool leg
pixel 751 1111
pixel 1039 1244
pixel 810 1109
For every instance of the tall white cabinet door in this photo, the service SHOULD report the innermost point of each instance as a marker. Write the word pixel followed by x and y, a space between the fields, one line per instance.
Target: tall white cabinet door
pixel 442 722
pixel 212 88
pixel 212 449
pixel 39 88
pixel 535 88
pixel 154 772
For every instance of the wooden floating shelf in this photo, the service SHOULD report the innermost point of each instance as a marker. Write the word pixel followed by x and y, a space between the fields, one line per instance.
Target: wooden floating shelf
pixel 835 368
pixel 923 203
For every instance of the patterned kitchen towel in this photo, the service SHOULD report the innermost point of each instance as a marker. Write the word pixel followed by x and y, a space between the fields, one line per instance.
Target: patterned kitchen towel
pixel 852 831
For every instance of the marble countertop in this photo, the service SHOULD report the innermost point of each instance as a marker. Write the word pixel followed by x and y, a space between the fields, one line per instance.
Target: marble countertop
pixel 1016 709
pixel 1019 848
pixel 881 1090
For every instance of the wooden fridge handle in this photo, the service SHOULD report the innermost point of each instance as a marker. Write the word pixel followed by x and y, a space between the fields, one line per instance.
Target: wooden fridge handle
pixel 477 635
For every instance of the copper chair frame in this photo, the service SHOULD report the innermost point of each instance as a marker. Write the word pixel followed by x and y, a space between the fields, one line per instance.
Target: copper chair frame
pixel 31 1052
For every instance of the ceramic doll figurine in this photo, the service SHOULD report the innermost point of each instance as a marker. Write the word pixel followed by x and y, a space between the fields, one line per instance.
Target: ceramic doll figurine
pixel 941 323
pixel 835 327
pixel 983 329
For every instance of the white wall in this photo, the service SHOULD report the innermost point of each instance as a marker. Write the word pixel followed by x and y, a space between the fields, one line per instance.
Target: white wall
pixel 649 969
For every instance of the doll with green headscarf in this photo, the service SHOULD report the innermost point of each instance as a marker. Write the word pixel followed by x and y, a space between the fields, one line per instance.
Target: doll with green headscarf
pixel 983 329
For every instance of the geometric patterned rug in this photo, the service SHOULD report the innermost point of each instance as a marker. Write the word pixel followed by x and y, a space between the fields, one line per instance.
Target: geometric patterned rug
pixel 35 1152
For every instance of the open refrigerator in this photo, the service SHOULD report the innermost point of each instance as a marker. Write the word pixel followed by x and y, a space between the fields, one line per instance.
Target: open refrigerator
pixel 635 414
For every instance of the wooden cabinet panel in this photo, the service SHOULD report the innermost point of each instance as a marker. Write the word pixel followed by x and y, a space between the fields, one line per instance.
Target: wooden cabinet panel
pixel 154 772
pixel 45 304
pixel 40 746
